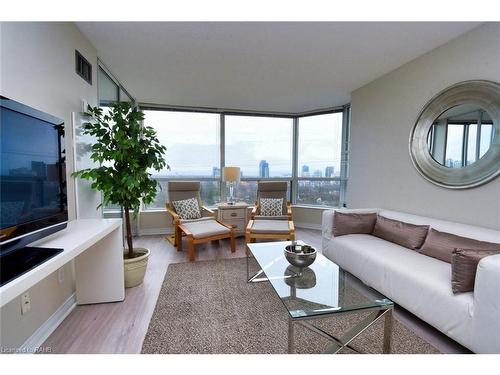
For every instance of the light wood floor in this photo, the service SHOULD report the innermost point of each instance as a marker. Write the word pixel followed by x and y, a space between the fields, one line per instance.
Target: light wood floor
pixel 120 327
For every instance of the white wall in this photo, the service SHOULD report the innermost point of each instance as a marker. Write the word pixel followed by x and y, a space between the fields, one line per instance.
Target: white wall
pixel 383 113
pixel 38 69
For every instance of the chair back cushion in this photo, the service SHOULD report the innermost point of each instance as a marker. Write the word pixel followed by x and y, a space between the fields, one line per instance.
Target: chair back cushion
pixel 271 206
pixel 181 190
pixel 187 208
pixel 273 189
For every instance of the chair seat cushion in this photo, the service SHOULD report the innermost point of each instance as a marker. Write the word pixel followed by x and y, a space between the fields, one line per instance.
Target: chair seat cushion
pixel 206 228
pixel 270 226
pixel 184 221
pixel 282 217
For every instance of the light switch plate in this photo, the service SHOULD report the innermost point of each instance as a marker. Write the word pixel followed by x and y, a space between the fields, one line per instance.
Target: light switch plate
pixel 25 303
pixel 60 275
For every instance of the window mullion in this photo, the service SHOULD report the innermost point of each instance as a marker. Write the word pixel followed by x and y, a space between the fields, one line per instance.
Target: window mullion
pixel 295 160
pixel 344 157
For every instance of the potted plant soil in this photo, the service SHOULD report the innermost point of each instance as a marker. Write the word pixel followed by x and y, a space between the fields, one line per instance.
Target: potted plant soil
pixel 126 151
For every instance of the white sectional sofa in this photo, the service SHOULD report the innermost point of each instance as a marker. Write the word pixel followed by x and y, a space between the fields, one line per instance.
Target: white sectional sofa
pixel 421 284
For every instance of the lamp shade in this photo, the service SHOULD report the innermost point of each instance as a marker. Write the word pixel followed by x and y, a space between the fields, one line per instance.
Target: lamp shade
pixel 231 174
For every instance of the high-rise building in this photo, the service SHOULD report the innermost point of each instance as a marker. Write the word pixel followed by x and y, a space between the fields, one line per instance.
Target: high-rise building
pixel 329 171
pixel 305 171
pixel 215 172
pixel 317 173
pixel 39 168
pixel 263 169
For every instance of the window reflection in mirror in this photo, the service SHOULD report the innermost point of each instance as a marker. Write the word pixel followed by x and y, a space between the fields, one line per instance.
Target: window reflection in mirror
pixel 460 136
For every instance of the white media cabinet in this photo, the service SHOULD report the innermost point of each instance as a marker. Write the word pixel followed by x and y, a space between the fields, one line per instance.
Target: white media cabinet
pixel 96 246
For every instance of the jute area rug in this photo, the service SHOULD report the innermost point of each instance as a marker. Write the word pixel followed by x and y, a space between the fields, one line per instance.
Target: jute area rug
pixel 208 307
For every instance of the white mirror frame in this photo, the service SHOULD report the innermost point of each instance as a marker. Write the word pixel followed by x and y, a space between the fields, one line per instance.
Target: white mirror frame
pixel 484 94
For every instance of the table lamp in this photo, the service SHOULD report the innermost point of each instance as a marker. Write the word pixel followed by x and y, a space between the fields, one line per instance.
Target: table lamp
pixel 231 175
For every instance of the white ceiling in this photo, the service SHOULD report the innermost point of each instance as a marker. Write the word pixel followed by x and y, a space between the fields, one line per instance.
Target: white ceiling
pixel 277 66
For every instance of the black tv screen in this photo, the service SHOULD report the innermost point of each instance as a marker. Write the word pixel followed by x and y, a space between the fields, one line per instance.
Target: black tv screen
pixel 33 176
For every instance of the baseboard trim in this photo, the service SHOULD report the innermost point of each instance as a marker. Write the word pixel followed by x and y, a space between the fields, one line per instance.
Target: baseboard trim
pixel 155 231
pixel 165 231
pixel 307 225
pixel 34 342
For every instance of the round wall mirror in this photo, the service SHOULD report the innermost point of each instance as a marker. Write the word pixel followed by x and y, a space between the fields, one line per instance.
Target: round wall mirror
pixel 455 142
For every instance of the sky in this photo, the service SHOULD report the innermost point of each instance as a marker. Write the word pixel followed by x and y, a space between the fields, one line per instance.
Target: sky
pixel 193 139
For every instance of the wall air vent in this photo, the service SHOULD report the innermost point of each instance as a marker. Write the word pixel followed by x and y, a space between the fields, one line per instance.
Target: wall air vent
pixel 83 67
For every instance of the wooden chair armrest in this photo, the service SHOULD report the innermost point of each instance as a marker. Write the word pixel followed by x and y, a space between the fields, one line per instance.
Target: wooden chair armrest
pixel 291 226
pixel 289 210
pixel 186 231
pixel 208 210
pixel 254 211
pixel 229 226
pixel 249 226
pixel 175 217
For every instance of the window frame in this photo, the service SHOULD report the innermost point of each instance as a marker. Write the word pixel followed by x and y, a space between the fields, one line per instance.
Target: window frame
pixel 121 91
pixel 344 153
pixel 465 139
pixel 294 179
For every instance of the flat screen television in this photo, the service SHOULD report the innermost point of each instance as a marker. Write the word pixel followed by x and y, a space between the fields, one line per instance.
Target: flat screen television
pixel 33 175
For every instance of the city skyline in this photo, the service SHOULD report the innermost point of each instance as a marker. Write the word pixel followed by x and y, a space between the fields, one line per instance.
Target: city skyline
pixel 264 172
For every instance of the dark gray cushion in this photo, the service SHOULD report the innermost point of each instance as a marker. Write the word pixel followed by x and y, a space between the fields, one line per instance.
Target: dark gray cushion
pixel 440 245
pixel 405 234
pixel 353 223
pixel 180 190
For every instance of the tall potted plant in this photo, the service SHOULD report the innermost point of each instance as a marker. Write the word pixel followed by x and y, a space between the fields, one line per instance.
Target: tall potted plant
pixel 126 151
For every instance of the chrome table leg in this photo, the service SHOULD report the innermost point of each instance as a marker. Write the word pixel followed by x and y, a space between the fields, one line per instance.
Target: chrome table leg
pixel 291 343
pixel 388 323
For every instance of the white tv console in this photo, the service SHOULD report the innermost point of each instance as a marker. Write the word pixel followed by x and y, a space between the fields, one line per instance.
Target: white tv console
pixel 96 246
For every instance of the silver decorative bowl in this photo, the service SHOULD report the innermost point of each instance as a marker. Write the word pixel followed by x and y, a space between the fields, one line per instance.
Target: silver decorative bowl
pixel 300 255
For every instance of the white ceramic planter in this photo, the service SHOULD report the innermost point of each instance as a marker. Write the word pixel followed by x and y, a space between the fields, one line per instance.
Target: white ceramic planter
pixel 135 268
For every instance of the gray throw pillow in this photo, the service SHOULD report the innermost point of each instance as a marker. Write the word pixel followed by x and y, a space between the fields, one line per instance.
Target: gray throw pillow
pixel 353 223
pixel 440 245
pixel 405 234
pixel 464 264
pixel 187 208
pixel 271 206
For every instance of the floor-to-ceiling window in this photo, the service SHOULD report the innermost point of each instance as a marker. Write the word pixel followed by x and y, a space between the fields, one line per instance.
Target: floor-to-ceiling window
pixel 319 156
pixel 309 152
pixel 110 91
pixel 262 147
pixel 193 151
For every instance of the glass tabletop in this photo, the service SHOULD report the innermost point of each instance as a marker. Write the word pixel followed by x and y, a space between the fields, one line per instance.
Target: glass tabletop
pixel 322 288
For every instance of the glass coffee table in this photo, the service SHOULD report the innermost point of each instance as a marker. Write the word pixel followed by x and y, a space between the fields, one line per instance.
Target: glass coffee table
pixel 321 290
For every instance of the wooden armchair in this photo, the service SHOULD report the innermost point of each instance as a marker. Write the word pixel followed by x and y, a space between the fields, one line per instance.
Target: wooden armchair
pixel 180 190
pixel 271 227
pixel 199 230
